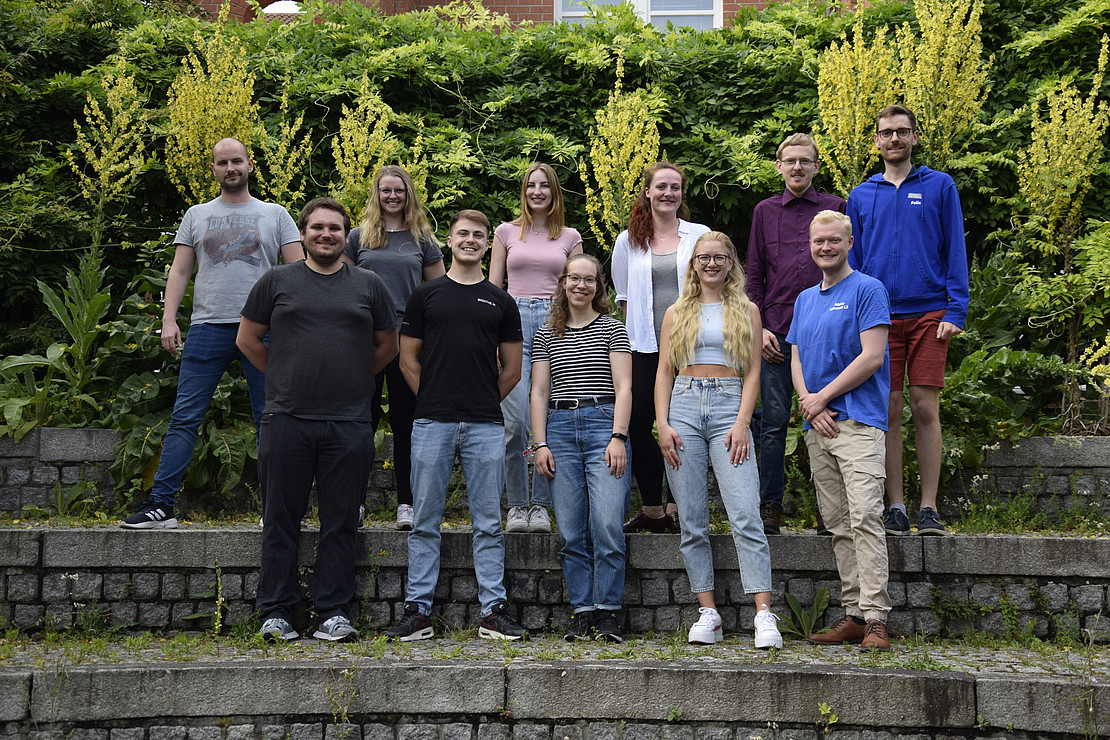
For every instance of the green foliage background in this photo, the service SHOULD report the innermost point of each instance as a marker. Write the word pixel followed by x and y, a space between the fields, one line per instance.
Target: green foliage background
pixel 507 96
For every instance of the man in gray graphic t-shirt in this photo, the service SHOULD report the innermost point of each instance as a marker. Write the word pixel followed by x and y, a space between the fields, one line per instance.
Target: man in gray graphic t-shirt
pixel 232 241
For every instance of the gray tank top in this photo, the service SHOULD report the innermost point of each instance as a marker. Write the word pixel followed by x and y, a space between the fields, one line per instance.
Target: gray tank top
pixel 664 286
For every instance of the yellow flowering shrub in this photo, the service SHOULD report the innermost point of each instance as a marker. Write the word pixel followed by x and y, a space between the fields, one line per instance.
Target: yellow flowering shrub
pixel 111 143
pixel 281 169
pixel 855 80
pixel 210 99
pixel 363 145
pixel 943 74
pixel 623 144
pixel 1066 280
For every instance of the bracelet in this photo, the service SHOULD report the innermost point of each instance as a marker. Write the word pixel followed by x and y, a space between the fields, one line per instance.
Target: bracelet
pixel 621 437
pixel 746 426
pixel 533 448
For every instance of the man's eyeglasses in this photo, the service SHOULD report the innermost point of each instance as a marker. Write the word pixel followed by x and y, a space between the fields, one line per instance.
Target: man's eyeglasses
pixel 887 133
pixel 392 191
pixel 802 162
pixel 716 259
pixel 587 280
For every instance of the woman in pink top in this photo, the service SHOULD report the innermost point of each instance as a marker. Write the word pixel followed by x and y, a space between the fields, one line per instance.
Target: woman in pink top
pixel 530 252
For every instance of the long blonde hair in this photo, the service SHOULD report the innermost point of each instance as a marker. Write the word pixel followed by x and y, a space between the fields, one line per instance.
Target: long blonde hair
pixel 736 311
pixel 556 220
pixel 373 234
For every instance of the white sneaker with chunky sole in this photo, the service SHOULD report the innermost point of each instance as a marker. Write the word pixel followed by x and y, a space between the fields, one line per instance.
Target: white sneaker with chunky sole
pixel 767 630
pixel 707 630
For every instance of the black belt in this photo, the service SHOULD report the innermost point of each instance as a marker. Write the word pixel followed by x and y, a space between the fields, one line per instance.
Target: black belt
pixel 580 402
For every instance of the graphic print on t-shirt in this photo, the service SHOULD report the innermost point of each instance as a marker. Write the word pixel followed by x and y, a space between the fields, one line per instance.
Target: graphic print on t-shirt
pixel 231 238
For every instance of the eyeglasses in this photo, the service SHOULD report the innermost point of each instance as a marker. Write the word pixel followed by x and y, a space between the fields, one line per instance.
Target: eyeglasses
pixel 588 280
pixel 392 191
pixel 887 133
pixel 716 259
pixel 802 162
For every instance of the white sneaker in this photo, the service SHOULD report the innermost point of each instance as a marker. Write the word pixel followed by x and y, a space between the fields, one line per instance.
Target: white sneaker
pixel 404 517
pixel 767 630
pixel 539 520
pixel 707 630
pixel 336 629
pixel 517 521
pixel 276 628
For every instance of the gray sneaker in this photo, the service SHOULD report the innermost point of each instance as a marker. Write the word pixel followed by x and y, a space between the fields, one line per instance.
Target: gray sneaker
pixel 539 520
pixel 276 628
pixel 929 523
pixel 517 521
pixel 336 629
pixel 404 517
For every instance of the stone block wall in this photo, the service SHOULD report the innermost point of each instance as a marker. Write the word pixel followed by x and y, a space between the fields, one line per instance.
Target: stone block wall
pixel 1061 473
pixel 46 458
pixel 173 580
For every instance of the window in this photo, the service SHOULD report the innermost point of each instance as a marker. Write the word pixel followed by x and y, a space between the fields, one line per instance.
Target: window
pixel 698 14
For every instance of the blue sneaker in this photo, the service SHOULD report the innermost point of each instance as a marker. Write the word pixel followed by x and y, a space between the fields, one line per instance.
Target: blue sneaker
pixel 895 522
pixel 929 523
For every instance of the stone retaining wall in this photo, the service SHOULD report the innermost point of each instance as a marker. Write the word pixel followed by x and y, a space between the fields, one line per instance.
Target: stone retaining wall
pixel 46 457
pixel 1061 473
pixel 167 580
pixel 366 699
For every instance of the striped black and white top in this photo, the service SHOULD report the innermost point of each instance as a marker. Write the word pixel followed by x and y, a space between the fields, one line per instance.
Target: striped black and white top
pixel 580 358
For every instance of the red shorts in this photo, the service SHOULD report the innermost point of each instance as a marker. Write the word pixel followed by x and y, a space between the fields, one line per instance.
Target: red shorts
pixel 914 345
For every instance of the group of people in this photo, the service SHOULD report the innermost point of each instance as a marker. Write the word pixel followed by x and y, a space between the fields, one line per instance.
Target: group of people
pixel 490 377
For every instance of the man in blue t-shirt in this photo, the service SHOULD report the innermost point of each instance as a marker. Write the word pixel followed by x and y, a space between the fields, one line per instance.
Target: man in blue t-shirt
pixel 841 371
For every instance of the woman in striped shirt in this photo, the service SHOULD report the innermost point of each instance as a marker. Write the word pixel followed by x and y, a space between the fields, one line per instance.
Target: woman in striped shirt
pixel 581 400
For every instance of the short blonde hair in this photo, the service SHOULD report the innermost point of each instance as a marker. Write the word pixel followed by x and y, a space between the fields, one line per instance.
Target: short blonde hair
pixel 798 140
pixel 832 217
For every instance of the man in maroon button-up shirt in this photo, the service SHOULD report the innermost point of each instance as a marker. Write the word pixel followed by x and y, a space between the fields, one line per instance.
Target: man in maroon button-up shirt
pixel 779 268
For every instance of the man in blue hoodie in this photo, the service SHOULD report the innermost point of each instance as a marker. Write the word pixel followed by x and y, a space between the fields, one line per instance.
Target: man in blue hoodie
pixel 909 231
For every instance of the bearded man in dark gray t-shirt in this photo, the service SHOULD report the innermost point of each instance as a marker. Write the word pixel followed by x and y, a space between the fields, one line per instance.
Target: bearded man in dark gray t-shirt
pixel 330 325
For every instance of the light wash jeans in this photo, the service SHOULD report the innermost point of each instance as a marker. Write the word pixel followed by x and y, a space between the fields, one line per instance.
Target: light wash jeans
pixel 702 412
pixel 518 425
pixel 590 505
pixel 481 450
pixel 776 393
pixel 209 349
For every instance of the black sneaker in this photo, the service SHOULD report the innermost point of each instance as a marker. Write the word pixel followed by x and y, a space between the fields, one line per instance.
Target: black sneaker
pixel 151 515
pixel 609 626
pixel 895 522
pixel 500 626
pixel 929 523
pixel 413 626
pixel 581 627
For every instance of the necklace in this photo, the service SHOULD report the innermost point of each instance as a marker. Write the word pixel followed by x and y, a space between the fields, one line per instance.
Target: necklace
pixel 394 231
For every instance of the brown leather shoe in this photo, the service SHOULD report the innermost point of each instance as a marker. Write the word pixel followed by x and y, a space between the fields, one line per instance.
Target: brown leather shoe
pixel 846 630
pixel 673 527
pixel 876 637
pixel 772 518
pixel 644 523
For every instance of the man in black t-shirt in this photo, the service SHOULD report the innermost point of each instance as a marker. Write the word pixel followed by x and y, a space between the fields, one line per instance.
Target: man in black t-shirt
pixel 330 325
pixel 455 330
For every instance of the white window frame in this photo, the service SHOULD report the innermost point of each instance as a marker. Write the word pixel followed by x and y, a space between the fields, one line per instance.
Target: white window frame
pixel 643 9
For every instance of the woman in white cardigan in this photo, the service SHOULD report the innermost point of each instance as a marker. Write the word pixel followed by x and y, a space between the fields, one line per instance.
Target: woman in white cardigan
pixel 649 262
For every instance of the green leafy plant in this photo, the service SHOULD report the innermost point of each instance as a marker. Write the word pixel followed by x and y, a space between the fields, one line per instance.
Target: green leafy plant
pixel 804 622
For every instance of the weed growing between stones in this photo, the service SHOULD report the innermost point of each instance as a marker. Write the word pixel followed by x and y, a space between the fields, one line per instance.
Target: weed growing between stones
pixel 805 620
pixel 828 717
pixel 950 610
pixel 341 691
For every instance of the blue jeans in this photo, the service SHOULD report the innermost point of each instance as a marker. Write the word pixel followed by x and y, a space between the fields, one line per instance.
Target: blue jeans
pixel 776 393
pixel 590 505
pixel 518 425
pixel 481 450
pixel 702 412
pixel 209 349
